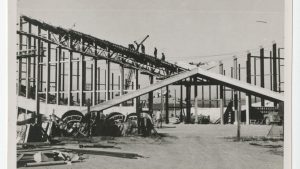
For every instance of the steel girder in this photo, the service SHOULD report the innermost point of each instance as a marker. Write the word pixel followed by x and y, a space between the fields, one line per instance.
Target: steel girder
pixel 101 49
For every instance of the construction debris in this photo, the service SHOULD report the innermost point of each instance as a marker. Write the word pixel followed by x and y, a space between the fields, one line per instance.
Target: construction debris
pixel 96 146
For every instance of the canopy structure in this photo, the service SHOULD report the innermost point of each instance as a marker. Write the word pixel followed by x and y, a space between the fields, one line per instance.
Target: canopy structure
pixel 198 72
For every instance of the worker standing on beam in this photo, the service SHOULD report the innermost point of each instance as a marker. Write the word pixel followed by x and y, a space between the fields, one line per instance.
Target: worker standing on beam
pixel 131 46
pixel 155 52
pixel 143 49
pixel 163 57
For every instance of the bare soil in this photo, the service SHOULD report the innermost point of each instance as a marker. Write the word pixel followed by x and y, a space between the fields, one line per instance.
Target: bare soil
pixel 189 147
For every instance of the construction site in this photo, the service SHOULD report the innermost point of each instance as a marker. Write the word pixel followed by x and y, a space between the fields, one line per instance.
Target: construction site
pixel 86 102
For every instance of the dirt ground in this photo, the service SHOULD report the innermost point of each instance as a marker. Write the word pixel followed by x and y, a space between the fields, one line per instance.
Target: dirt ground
pixel 188 147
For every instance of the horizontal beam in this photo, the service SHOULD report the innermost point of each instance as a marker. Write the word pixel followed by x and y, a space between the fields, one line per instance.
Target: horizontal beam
pixel 265 57
pixel 195 83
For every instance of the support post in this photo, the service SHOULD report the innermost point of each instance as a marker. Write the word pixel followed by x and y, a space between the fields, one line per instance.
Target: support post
pixel 248 97
pixel 196 100
pixel 112 85
pixel 181 103
pixel 37 98
pixel 202 95
pixel 167 104
pixel 107 92
pixel 279 67
pixel 99 84
pixel 48 69
pixel 209 95
pixel 95 80
pixel 121 81
pixel 175 103
pixel 255 99
pixel 81 79
pixel 274 70
pixel 63 76
pixel 150 96
pixel 188 104
pixel 28 64
pixel 70 76
pixel 224 89
pixel 235 92
pixel 58 71
pixel 271 71
pixel 274 67
pixel 221 68
pixel 20 59
pixel 137 100
pixel 262 73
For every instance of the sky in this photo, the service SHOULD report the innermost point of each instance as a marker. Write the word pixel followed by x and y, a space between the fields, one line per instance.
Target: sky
pixel 193 30
pixel 189 30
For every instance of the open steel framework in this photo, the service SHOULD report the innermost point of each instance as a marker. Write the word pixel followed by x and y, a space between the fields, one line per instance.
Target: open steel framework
pixel 62 66
pixel 65 67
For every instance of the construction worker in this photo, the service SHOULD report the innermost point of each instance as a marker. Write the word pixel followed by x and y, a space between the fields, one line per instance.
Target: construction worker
pixel 163 57
pixel 143 49
pixel 158 119
pixel 131 46
pixel 155 52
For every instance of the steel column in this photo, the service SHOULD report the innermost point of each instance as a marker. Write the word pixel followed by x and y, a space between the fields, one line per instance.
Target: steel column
pixel 107 79
pixel 112 85
pixel 196 99
pixel 28 63
pixel 221 69
pixel 262 73
pixel 150 96
pixel 58 71
pixel 37 98
pixel 167 104
pixel 48 69
pixel 181 103
pixel 95 80
pixel 255 99
pixel 70 75
pixel 20 59
pixel 235 98
pixel 274 69
pixel 188 104
pixel 248 97
pixel 81 77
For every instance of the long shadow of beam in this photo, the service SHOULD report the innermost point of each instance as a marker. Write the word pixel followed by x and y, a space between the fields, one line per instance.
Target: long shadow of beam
pixel 107 153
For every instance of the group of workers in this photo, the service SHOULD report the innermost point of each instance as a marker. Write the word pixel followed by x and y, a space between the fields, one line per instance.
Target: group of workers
pixel 132 47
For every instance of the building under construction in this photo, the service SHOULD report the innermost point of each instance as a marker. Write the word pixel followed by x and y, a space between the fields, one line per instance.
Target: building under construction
pixel 63 71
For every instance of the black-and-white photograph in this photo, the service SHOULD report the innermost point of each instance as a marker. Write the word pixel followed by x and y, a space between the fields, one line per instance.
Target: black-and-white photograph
pixel 170 84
